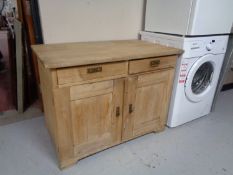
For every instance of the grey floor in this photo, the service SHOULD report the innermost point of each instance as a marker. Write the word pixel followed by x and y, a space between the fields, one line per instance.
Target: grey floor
pixel 204 146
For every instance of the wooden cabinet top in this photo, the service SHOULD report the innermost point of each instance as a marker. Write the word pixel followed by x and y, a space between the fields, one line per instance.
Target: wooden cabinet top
pixel 86 53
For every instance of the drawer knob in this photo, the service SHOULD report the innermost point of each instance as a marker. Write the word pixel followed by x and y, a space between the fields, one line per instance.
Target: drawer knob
pixel 94 70
pixel 154 63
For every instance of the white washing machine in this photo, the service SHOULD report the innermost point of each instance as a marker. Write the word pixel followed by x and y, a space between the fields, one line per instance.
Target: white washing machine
pixel 197 74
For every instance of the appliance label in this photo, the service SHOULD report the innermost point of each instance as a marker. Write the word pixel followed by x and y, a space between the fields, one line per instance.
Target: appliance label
pixel 183 73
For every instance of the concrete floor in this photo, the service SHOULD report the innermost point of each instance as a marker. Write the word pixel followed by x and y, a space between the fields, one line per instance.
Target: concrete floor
pixel 13 116
pixel 204 146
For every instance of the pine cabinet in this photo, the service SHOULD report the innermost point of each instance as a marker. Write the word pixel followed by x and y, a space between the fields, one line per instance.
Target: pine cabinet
pixel 97 95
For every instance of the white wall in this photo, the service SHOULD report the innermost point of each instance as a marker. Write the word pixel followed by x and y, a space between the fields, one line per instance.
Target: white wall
pixel 90 20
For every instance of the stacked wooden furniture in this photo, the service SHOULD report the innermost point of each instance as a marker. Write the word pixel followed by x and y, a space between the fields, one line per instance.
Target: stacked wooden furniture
pixel 100 94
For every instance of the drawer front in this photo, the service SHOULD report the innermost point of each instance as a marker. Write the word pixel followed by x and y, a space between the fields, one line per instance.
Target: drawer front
pixel 93 72
pixel 151 64
pixel 91 90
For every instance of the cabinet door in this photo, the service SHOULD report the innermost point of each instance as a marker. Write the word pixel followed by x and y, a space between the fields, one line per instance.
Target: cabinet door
pixel 96 111
pixel 146 103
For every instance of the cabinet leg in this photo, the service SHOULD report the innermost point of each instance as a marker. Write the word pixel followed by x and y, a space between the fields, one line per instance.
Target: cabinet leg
pixel 160 128
pixel 67 163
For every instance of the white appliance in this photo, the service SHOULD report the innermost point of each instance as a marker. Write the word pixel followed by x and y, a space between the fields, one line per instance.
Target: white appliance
pixel 196 76
pixel 189 17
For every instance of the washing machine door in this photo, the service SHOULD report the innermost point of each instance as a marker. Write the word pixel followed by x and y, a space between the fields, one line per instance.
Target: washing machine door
pixel 199 79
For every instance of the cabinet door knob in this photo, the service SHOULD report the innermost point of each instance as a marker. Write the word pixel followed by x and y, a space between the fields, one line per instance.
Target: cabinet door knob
pixel 94 70
pixel 130 108
pixel 154 63
pixel 117 111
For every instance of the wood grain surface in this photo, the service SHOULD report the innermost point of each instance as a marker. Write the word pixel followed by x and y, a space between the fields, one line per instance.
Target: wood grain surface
pixel 86 53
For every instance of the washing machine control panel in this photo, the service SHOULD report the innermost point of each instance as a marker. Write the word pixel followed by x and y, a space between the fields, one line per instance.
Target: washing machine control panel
pixel 195 47
pixel 192 46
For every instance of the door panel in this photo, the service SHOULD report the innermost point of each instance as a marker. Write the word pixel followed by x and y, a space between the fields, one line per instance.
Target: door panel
pixel 129 100
pixel 147 108
pixel 96 122
pixel 146 103
pixel 92 118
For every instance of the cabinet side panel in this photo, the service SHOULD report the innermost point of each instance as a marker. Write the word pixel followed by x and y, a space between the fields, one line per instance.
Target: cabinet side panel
pixel 64 133
pixel 47 98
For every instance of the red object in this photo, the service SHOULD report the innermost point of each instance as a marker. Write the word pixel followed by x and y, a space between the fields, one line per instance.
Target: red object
pixel 181 81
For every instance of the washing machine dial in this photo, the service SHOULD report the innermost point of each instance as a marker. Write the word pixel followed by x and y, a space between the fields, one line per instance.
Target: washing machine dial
pixel 209 47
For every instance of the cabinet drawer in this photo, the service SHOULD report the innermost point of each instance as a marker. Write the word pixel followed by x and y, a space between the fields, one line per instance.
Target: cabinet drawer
pixel 81 74
pixel 151 64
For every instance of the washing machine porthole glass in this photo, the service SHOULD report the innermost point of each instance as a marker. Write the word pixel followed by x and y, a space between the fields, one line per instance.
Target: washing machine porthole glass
pixel 202 78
